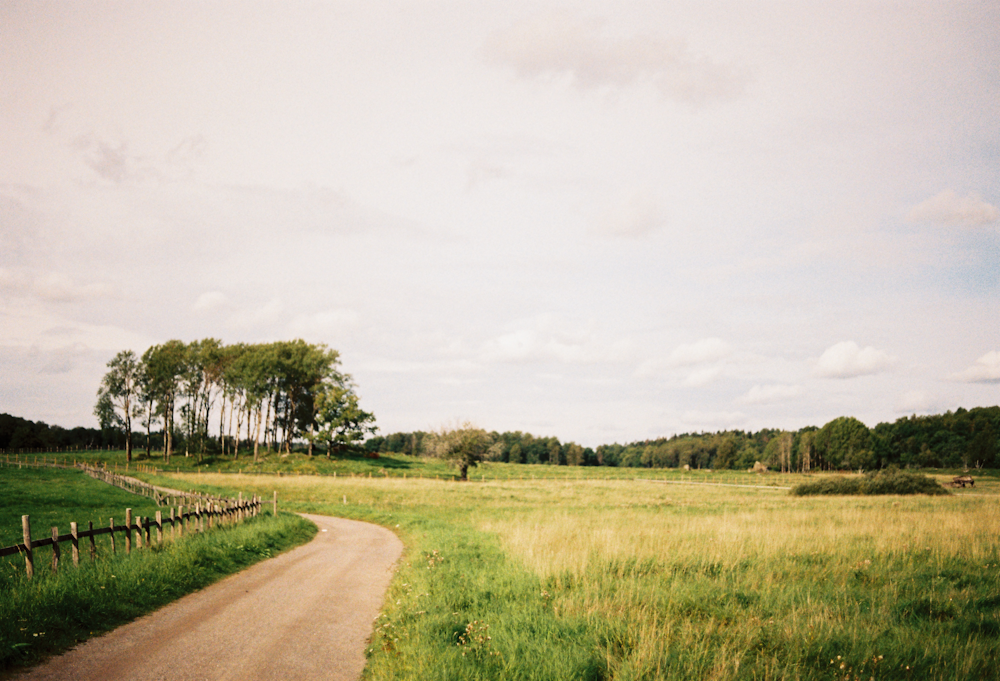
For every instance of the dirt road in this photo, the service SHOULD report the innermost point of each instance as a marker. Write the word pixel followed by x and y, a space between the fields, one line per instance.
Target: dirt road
pixel 304 615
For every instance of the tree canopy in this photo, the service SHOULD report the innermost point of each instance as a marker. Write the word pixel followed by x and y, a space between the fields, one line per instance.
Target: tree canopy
pixel 273 393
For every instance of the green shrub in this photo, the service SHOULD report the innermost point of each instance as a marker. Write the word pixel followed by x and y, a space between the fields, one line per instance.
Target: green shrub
pixel 887 481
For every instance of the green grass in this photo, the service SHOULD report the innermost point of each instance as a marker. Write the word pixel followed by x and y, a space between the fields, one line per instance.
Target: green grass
pixel 56 497
pixel 52 612
pixel 642 580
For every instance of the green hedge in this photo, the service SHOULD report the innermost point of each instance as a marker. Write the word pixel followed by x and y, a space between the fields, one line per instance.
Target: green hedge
pixel 887 481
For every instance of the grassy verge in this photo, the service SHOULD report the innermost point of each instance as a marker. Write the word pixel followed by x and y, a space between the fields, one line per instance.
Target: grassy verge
pixel 640 580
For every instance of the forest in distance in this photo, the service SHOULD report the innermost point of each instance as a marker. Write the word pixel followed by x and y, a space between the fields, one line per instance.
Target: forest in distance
pixel 963 438
pixel 210 399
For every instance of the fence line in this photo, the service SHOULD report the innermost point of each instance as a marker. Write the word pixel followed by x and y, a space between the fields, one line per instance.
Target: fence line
pixel 201 518
pixel 201 513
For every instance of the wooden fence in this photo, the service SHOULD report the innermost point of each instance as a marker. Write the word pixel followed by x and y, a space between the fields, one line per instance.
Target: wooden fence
pixel 201 512
pixel 181 520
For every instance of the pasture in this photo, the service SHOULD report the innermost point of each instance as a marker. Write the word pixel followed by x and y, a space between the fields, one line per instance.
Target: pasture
pixel 641 579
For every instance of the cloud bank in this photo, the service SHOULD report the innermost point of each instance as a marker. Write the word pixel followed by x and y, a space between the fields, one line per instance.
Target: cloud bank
pixel 948 208
pixel 559 43
pixel 985 370
pixel 847 360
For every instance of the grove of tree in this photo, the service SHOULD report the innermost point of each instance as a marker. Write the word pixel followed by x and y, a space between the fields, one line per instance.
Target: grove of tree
pixel 268 395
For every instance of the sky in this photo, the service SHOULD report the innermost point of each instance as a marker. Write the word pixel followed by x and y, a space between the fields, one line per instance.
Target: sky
pixel 604 222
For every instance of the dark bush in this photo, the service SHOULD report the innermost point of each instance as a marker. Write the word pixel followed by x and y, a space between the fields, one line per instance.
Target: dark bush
pixel 887 481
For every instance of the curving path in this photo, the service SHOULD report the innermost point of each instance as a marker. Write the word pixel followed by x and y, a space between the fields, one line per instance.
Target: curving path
pixel 304 615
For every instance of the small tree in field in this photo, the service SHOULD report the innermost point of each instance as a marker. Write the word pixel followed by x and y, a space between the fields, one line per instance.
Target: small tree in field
pixel 464 447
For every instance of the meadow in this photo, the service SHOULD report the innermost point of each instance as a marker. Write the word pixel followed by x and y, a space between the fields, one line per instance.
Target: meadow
pixel 538 572
pixel 643 579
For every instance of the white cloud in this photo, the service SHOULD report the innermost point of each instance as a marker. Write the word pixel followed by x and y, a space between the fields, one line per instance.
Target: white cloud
pixel 323 323
pixel 52 286
pixel 560 44
pixel 913 401
pixel 631 214
pixel 531 345
pixel 985 370
pixel 545 338
pixel 948 208
pixel 769 394
pixel 702 377
pixel 265 315
pixel 210 302
pixel 713 419
pixel 699 352
pixel 65 359
pixel 707 351
pixel 847 360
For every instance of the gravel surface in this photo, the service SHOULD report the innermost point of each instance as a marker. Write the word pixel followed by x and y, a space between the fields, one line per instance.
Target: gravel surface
pixel 304 615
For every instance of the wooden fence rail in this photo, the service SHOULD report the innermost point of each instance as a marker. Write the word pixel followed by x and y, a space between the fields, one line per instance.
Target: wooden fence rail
pixel 202 517
pixel 189 512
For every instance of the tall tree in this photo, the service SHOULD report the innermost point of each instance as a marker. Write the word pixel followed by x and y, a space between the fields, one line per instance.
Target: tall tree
pixel 166 365
pixel 117 391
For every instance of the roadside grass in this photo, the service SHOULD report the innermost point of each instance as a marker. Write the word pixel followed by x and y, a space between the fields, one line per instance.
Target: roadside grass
pixel 53 612
pixel 599 579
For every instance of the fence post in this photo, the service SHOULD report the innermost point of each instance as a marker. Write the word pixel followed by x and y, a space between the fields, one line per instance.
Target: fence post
pixel 149 528
pixel 29 560
pixel 76 544
pixel 128 531
pixel 93 544
pixel 159 528
pixel 55 549
pixel 275 511
pixel 111 522
pixel 180 521
pixel 138 532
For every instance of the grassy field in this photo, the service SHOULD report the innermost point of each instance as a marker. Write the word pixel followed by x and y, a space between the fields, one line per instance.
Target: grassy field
pixel 626 579
pixel 54 611
pixel 538 572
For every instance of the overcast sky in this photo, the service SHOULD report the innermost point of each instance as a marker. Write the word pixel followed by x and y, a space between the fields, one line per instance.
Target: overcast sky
pixel 598 221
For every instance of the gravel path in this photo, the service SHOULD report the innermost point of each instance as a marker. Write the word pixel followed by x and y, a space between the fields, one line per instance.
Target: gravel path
pixel 304 615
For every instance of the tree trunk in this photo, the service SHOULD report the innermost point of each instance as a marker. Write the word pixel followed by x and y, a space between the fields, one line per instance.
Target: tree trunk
pixel 239 427
pixel 149 423
pixel 128 430
pixel 256 437
pixel 168 422
pixel 222 427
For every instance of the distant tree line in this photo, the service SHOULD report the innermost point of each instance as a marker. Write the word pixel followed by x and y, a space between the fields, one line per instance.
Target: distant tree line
pixel 966 438
pixel 21 434
pixel 255 395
